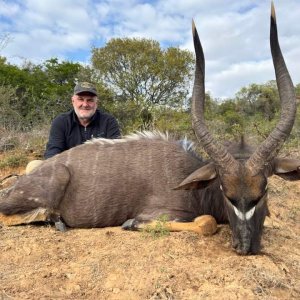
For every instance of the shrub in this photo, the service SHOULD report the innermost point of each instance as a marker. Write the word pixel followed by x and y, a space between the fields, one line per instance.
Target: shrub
pixel 14 161
pixel 159 229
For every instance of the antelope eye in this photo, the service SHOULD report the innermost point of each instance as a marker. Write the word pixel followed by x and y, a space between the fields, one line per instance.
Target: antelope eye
pixel 252 204
pixel 256 201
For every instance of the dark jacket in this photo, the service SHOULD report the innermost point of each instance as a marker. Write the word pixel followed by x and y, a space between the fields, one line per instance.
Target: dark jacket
pixel 66 132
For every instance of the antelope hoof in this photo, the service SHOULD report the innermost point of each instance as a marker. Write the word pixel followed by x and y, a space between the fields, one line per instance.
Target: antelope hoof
pixel 130 224
pixel 60 226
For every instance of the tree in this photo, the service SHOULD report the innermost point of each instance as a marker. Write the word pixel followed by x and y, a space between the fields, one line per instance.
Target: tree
pixel 139 70
pixel 41 91
pixel 10 117
pixel 60 80
pixel 259 98
pixel 4 40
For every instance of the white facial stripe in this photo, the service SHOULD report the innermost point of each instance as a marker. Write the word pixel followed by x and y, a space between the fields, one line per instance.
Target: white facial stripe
pixel 250 213
pixel 247 216
pixel 239 214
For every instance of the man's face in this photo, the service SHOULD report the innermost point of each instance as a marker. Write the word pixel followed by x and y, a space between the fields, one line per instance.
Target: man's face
pixel 85 105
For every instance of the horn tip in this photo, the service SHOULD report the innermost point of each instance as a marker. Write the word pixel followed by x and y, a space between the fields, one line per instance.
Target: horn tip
pixel 273 15
pixel 193 26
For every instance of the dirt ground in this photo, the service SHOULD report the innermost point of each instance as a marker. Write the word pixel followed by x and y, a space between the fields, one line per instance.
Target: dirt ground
pixel 39 262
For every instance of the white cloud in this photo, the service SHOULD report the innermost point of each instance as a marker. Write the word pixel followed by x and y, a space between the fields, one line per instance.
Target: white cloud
pixel 240 73
pixel 8 9
pixel 234 34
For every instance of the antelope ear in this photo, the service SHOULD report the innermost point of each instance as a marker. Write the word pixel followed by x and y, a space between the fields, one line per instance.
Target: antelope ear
pixel 287 168
pixel 199 179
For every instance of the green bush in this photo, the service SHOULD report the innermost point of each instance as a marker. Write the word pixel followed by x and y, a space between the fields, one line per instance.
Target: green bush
pixel 160 229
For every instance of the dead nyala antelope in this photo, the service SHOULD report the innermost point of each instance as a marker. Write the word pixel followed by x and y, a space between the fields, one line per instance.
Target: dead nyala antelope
pixel 134 180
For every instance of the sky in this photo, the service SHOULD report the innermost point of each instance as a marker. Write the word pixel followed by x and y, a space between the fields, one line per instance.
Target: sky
pixel 234 33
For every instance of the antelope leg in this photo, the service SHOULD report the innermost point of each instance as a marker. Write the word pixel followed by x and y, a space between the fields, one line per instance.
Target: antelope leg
pixel 204 225
pixel 36 215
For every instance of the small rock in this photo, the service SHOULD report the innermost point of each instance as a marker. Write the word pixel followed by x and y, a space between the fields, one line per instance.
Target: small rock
pixel 116 290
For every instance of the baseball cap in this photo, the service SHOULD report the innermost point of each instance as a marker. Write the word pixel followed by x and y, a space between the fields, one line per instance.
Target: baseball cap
pixel 87 87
